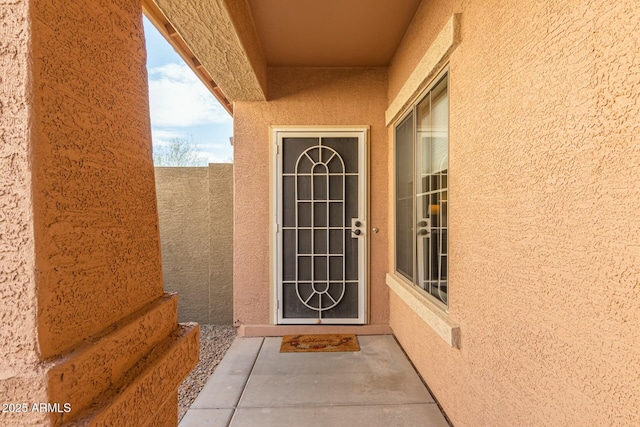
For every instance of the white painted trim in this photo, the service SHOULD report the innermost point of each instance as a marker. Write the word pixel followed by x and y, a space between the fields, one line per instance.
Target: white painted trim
pixel 427 311
pixel 362 133
pixel 273 224
pixel 258 330
pixel 430 64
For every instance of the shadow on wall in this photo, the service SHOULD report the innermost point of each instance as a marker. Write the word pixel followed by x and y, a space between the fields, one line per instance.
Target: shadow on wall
pixel 195 209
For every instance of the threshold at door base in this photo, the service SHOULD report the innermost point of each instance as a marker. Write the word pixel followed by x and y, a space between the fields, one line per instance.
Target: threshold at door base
pixel 280 330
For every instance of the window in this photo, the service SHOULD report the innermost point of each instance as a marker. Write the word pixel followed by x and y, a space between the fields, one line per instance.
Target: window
pixel 421 180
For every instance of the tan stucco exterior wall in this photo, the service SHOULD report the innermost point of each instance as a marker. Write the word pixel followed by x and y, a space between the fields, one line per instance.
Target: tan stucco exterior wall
pixel 322 97
pixel 221 244
pixel 416 40
pixel 84 319
pixel 21 377
pixel 195 208
pixel 95 224
pixel 544 229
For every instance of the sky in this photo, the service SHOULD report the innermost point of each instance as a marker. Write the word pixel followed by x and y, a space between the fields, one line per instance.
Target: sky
pixel 181 106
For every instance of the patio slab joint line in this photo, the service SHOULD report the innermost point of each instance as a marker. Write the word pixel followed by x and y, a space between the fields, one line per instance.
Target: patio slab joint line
pixel 244 387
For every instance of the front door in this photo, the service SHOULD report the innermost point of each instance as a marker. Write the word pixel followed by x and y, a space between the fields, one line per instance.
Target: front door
pixel 320 266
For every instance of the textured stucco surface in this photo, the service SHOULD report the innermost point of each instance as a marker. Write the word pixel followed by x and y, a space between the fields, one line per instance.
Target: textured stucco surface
pixel 195 208
pixel 21 378
pixel 183 211
pixel 430 64
pixel 239 13
pixel 151 384
pixel 90 370
pixel 97 244
pixel 544 196
pixel 221 243
pixel 83 315
pixel 416 40
pixel 125 376
pixel 322 97
pixel 234 61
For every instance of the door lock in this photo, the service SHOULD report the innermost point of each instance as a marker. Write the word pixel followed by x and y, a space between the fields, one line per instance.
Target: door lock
pixel 424 227
pixel 357 228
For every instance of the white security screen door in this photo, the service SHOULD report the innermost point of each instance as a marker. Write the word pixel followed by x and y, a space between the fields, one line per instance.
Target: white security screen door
pixel 320 262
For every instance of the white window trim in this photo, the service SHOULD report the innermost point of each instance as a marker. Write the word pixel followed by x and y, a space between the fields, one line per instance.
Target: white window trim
pixel 430 66
pixel 431 314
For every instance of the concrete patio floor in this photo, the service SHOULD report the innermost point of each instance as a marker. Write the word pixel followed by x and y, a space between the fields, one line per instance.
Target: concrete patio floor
pixel 256 385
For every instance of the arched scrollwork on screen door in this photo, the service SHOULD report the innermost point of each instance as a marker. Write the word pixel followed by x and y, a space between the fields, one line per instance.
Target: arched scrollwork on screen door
pixel 318 286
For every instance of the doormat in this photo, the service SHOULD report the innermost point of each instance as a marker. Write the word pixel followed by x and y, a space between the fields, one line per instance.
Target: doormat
pixel 319 343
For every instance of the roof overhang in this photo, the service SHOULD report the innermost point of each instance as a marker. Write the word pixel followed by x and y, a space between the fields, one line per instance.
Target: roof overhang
pixel 231 43
pixel 217 40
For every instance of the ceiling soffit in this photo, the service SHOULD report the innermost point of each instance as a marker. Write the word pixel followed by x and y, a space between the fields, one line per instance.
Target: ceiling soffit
pixel 331 33
pixel 230 43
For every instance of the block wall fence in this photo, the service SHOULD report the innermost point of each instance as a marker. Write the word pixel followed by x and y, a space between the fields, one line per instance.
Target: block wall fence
pixel 195 209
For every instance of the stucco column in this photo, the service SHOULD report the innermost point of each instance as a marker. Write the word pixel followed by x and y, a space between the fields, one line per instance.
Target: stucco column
pixel 22 378
pixel 85 326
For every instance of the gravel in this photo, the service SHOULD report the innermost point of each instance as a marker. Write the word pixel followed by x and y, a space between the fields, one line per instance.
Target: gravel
pixel 214 343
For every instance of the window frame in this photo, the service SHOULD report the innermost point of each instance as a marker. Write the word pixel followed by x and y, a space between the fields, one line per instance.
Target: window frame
pixel 412 109
pixel 399 122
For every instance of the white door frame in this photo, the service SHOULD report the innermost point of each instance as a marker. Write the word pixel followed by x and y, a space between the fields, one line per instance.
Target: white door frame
pixel 362 133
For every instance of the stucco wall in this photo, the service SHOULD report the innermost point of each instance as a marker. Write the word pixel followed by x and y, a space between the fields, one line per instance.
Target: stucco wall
pixel 96 225
pixel 195 208
pixel 211 30
pixel 544 229
pixel 417 38
pixel 84 319
pixel 221 244
pixel 322 97
pixel 20 375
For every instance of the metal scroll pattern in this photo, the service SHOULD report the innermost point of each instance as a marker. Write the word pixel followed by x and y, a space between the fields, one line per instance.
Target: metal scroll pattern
pixel 320 284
